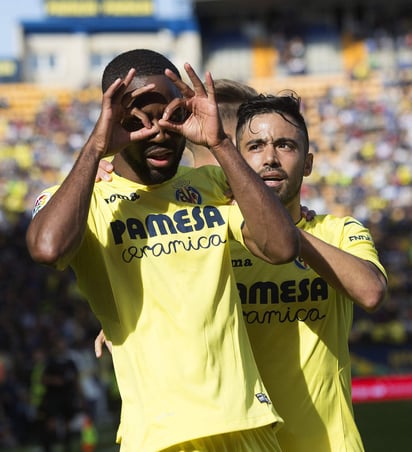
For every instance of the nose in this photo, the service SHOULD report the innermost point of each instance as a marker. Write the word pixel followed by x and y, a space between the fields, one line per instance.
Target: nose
pixel 271 155
pixel 161 133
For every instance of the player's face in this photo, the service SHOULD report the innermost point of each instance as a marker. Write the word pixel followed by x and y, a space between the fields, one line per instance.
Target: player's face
pixel 274 148
pixel 156 158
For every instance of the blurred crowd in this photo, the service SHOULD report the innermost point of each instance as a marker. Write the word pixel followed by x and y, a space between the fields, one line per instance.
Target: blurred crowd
pixel 47 331
pixel 362 167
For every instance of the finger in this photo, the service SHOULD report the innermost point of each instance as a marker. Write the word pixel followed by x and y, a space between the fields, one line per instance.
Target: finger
pixel 104 171
pixel 131 96
pixel 143 134
pixel 111 91
pixel 119 92
pixel 173 107
pixel 146 122
pixel 183 87
pixel 130 76
pixel 136 119
pixel 106 165
pixel 103 175
pixel 210 86
pixel 98 345
pixel 198 86
pixel 171 126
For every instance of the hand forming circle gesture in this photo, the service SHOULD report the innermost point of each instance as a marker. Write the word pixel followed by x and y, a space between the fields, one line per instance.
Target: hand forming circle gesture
pixel 202 124
pixel 111 134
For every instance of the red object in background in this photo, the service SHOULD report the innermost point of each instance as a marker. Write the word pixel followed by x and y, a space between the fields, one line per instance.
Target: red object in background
pixel 390 387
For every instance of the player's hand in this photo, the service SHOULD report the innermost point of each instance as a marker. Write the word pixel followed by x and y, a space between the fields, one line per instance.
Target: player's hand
pixel 98 344
pixel 104 171
pixel 307 214
pixel 202 124
pixel 120 122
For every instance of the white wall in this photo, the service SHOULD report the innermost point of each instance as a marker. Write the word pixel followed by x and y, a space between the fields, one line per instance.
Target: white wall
pixel 71 54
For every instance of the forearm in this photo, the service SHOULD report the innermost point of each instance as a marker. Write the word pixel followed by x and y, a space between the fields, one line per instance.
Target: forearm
pixel 269 231
pixel 358 279
pixel 57 230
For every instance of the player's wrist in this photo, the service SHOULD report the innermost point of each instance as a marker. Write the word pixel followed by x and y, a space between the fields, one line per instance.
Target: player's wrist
pixel 224 144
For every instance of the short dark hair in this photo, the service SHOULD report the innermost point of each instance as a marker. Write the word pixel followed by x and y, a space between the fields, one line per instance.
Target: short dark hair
pixel 146 62
pixel 230 94
pixel 286 105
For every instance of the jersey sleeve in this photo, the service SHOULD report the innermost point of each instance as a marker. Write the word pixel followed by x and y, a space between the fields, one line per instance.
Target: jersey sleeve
pixel 358 241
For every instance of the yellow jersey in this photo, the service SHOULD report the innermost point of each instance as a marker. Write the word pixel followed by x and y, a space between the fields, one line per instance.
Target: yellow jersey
pixel 299 327
pixel 155 267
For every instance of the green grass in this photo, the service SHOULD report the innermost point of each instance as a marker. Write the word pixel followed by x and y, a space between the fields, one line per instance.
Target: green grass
pixel 385 426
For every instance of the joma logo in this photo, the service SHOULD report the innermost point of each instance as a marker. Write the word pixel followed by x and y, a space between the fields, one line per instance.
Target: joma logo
pixel 117 196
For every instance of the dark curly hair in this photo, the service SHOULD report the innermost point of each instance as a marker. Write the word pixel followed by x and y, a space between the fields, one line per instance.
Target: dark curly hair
pixel 286 104
pixel 146 62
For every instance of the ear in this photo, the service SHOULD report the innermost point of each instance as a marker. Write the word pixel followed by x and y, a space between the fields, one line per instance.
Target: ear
pixel 308 164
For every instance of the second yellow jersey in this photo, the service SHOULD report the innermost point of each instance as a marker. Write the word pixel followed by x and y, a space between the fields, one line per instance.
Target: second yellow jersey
pixel 299 328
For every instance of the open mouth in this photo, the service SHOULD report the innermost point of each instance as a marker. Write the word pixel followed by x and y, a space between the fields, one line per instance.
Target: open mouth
pixel 159 157
pixel 272 179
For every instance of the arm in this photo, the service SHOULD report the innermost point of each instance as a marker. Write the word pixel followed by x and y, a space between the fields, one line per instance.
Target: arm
pixel 269 231
pixel 56 231
pixel 357 278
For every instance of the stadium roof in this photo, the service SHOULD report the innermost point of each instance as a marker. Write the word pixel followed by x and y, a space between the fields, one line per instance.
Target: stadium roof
pixel 299 7
pixel 107 24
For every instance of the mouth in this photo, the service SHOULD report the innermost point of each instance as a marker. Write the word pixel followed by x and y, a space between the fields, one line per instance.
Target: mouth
pixel 160 157
pixel 272 178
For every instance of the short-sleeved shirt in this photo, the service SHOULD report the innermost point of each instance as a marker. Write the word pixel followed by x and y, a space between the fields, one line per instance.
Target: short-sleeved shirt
pixel 155 267
pixel 299 328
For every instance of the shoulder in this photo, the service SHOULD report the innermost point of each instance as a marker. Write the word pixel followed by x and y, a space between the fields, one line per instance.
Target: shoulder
pixel 210 171
pixel 332 221
pixel 209 182
pixel 333 229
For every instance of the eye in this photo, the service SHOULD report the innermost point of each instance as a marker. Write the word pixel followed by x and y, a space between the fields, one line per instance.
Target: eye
pixel 135 104
pixel 256 147
pixel 285 146
pixel 179 115
pixel 131 124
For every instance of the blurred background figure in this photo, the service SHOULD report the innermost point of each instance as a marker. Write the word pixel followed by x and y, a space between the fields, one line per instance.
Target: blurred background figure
pixel 62 399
